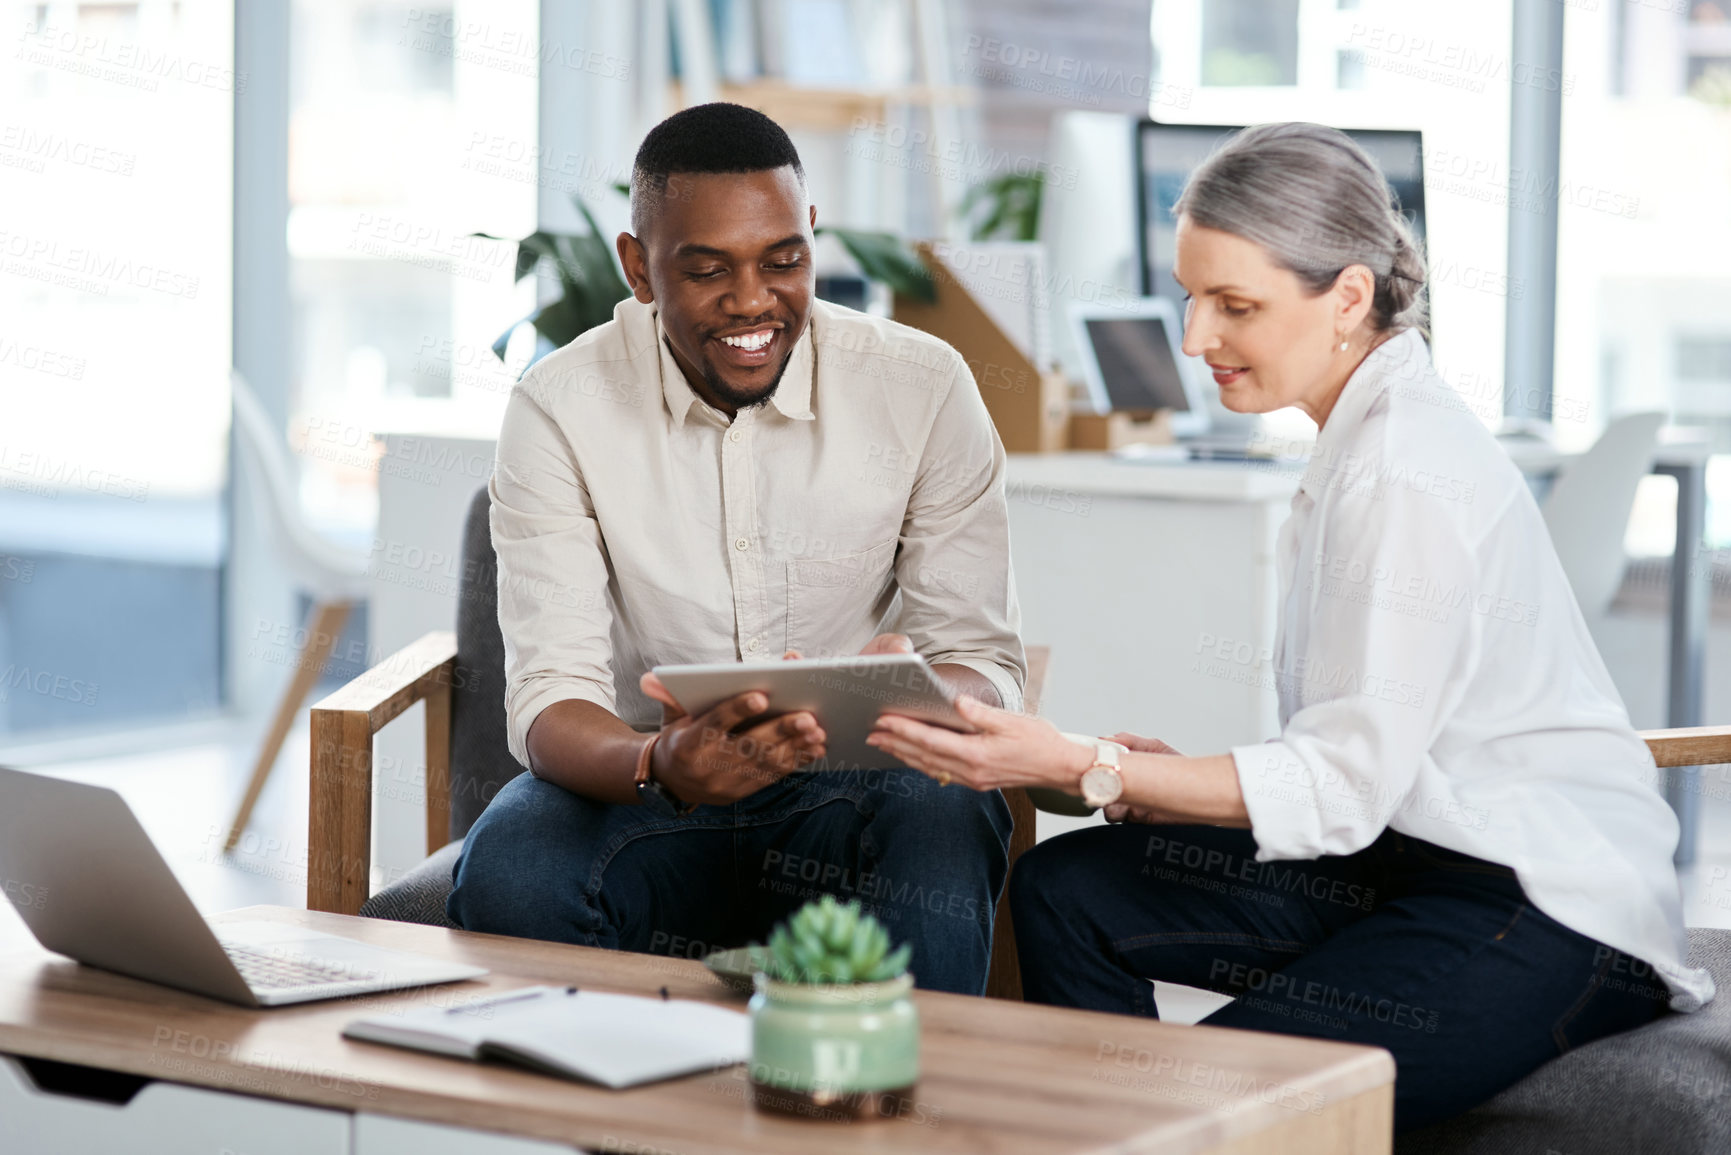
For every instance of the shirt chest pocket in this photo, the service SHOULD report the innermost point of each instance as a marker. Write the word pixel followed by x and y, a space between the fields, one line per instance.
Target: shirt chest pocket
pixel 834 604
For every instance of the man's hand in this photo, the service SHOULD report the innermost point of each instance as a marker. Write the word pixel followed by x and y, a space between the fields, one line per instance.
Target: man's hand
pixel 703 761
pixel 889 644
pixel 671 710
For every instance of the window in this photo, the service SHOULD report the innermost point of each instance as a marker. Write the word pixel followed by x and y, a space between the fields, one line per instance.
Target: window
pixel 115 162
pixel 1643 295
pixel 411 128
pixel 1704 359
pixel 1349 70
pixel 1250 42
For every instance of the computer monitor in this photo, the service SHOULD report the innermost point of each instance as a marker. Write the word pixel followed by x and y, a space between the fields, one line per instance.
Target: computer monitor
pixel 1166 155
pixel 1131 360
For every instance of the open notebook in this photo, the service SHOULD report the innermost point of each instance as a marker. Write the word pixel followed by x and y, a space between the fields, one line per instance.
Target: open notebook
pixel 615 1040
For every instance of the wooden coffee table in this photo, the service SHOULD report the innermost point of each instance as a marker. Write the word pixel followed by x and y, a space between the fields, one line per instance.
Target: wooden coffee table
pixel 998 1076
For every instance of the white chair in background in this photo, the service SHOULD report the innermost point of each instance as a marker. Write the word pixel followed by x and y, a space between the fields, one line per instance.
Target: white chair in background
pixel 335 576
pixel 1588 507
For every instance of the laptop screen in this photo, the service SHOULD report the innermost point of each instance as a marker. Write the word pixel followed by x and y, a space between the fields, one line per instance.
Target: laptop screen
pixel 1136 363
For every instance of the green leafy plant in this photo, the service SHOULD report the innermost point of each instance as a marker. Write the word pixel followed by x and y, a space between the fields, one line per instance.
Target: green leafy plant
pixel 589 281
pixel 827 942
pixel 886 257
pixel 1007 208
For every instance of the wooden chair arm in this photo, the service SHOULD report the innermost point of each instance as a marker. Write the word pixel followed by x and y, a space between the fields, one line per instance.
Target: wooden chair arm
pixel 1694 746
pixel 340 809
pixel 1039 662
pixel 1004 981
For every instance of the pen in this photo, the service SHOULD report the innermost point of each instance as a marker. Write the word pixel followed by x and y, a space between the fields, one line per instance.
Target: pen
pixel 515 996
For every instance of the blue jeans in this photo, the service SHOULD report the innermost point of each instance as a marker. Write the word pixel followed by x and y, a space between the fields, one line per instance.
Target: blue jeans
pixel 1436 956
pixel 929 863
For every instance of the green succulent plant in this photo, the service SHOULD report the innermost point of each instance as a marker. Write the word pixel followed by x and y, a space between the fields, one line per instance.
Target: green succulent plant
pixel 828 942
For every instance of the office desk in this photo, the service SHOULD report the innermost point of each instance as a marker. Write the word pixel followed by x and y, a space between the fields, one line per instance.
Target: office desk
pixel 996 1076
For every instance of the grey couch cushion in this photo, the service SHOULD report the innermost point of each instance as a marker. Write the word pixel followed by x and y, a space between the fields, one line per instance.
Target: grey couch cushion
pixel 1663 1088
pixel 418 896
pixel 481 759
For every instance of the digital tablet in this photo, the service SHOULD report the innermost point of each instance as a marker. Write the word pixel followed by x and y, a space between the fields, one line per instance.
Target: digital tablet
pixel 845 694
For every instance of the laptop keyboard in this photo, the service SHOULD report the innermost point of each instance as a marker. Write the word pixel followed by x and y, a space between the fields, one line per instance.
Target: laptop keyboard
pixel 263 970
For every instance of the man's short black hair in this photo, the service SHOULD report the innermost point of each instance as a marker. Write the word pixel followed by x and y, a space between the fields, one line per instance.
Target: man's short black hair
pixel 717 137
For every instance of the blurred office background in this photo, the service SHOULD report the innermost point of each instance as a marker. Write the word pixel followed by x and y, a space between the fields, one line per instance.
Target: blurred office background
pixel 295 187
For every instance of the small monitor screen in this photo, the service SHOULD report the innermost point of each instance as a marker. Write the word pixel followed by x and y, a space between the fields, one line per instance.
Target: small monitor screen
pixel 1136 363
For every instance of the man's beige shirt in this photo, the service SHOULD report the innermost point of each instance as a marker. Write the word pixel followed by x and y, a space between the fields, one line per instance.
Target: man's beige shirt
pixel 637 526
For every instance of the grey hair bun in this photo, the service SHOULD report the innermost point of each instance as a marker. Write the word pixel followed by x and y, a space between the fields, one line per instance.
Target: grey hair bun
pixel 1317 203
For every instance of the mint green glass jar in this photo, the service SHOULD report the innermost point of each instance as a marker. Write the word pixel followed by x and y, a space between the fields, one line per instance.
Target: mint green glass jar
pixel 843 1051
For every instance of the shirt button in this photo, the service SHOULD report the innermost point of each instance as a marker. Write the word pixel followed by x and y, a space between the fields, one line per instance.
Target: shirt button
pixel 741 544
pixel 733 435
pixel 754 646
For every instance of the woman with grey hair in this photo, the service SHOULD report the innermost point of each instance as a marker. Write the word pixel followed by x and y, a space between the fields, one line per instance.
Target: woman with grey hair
pixel 1455 849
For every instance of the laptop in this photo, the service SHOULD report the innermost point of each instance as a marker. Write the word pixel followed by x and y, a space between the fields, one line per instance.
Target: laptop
pixel 1133 359
pixel 84 876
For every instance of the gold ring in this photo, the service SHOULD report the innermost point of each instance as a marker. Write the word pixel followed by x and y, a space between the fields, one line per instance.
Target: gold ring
pixel 945 779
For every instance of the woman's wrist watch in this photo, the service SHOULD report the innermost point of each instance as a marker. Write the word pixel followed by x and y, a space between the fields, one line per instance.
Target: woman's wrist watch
pixel 1103 781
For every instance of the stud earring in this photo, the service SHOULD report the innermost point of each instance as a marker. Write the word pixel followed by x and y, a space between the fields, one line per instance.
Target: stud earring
pixel 1343 346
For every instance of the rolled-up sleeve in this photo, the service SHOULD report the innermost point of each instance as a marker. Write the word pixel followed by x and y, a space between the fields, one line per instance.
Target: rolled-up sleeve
pixel 1376 685
pixel 553 607
pixel 958 595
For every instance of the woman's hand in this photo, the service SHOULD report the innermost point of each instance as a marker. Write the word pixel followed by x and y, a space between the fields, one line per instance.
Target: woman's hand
pixel 1123 811
pixel 1008 750
pixel 1146 745
pixel 1147 815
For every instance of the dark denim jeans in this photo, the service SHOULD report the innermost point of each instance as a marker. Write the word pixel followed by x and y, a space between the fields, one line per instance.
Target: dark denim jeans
pixel 1436 956
pixel 929 863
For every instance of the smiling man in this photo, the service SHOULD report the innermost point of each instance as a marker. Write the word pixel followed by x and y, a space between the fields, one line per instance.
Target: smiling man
pixel 731 470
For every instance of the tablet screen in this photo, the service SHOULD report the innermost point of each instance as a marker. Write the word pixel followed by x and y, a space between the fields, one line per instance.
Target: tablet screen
pixel 1136 363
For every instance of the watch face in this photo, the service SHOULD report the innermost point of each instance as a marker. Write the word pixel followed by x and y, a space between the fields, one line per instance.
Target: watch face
pixel 1101 786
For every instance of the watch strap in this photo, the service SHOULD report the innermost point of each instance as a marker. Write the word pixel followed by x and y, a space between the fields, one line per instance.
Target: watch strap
pixel 647 785
pixel 1107 753
pixel 642 774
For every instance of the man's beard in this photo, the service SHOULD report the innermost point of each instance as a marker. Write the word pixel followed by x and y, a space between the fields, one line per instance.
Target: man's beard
pixel 725 392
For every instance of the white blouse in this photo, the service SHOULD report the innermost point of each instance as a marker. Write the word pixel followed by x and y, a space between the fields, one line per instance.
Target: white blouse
pixel 1436 677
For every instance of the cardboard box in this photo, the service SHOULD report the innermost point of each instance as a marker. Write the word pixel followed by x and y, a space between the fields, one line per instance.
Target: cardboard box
pixel 1030 407
pixel 1106 431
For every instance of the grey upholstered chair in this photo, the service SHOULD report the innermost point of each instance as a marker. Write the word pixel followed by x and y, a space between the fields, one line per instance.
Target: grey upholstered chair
pixel 461 678
pixel 1665 1088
